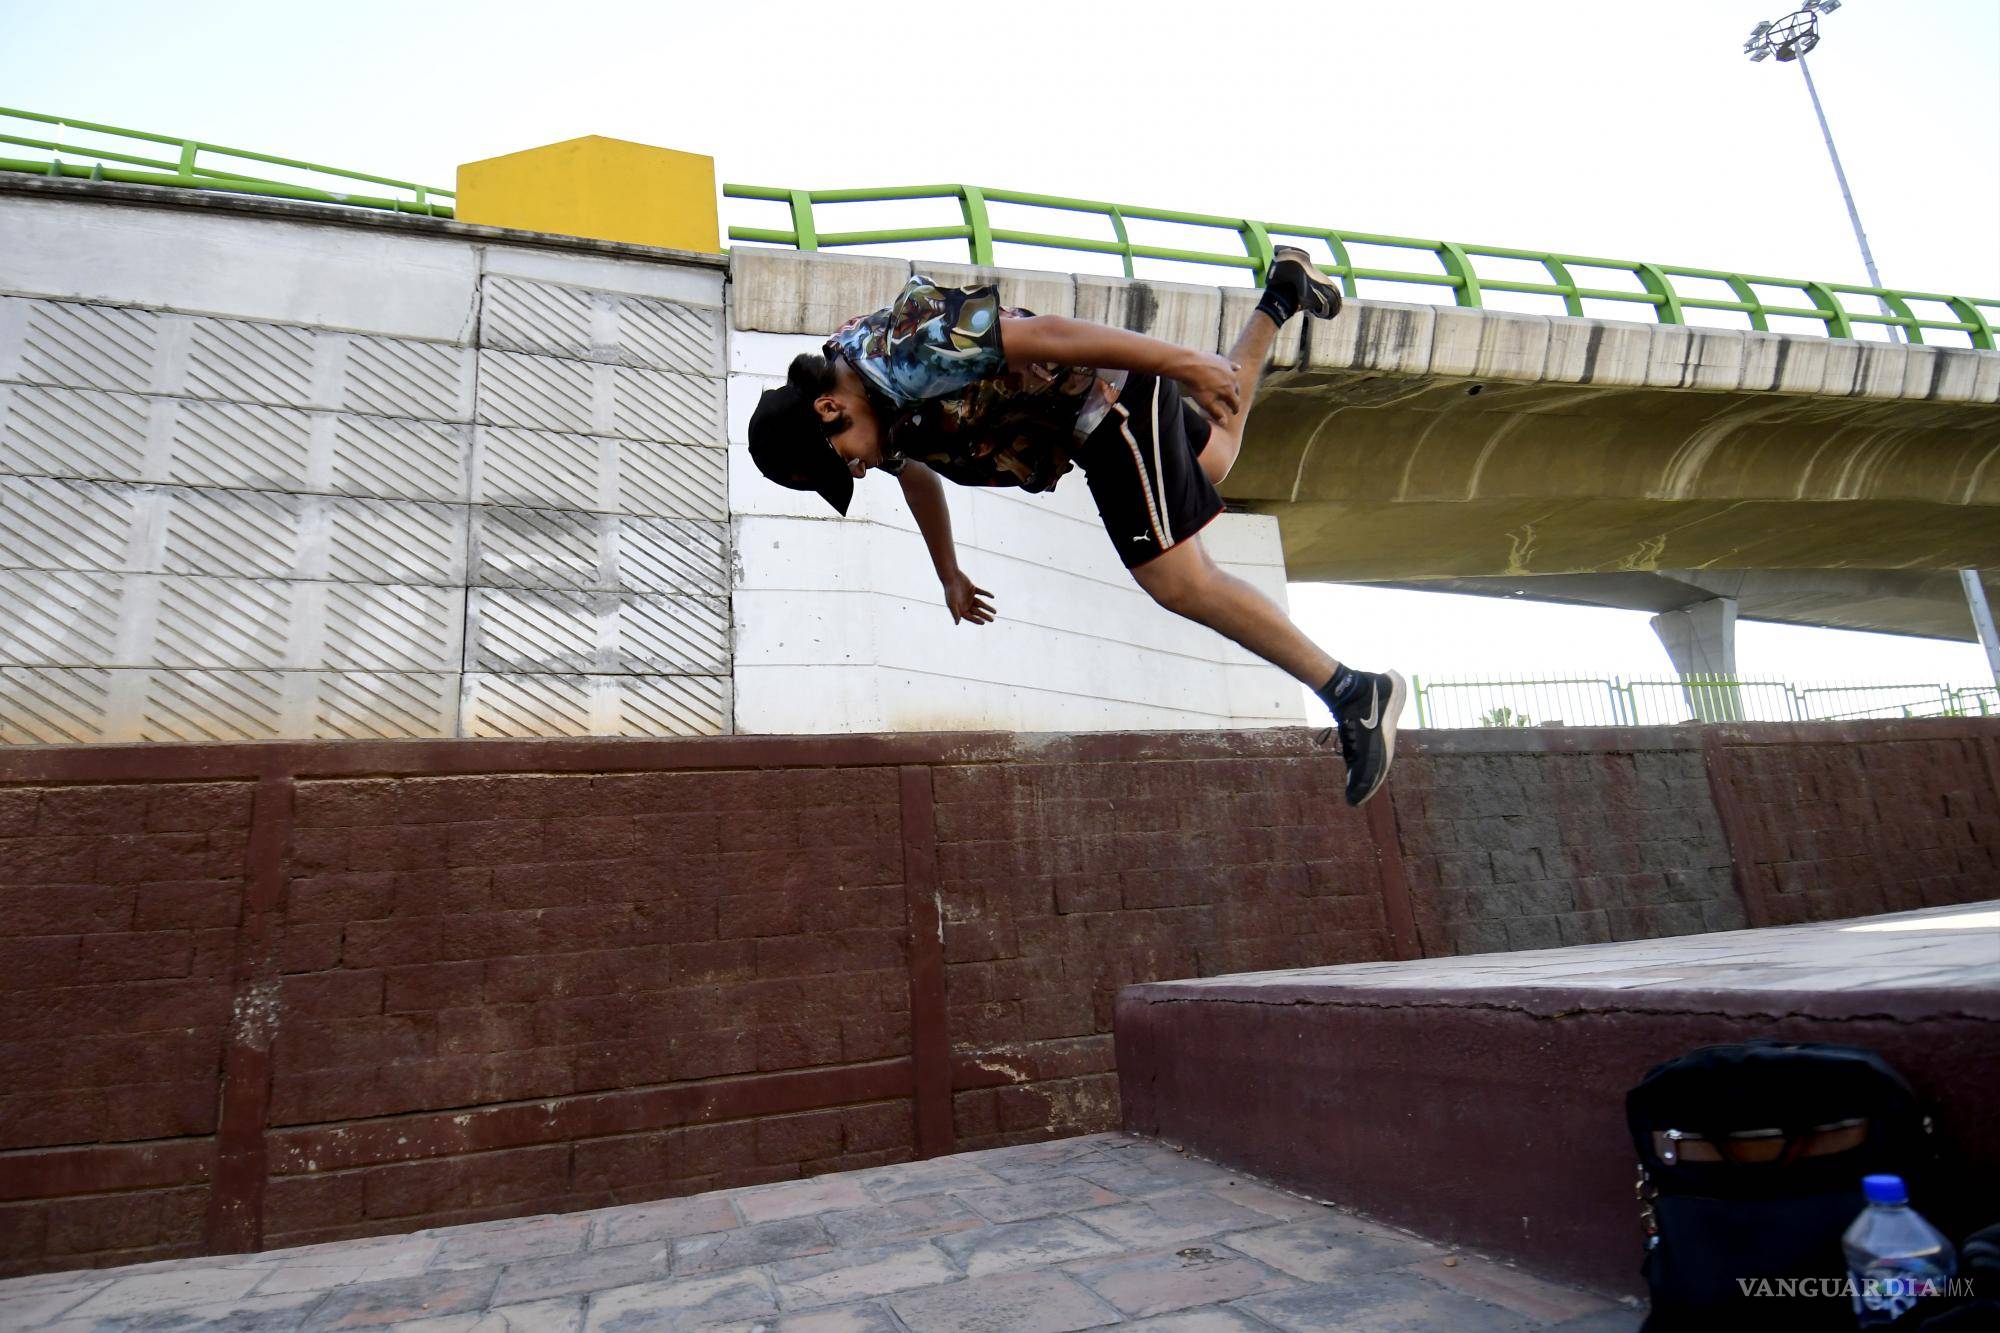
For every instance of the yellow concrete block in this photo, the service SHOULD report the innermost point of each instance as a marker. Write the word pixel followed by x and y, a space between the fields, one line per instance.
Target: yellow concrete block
pixel 605 189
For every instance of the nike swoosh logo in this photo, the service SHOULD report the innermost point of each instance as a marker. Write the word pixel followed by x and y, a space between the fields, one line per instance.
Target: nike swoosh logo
pixel 1374 707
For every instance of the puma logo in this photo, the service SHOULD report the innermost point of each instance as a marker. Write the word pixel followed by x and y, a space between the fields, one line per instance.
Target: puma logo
pixel 1142 537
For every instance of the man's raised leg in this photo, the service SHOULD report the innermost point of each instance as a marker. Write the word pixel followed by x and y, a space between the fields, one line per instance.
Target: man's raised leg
pixel 1296 284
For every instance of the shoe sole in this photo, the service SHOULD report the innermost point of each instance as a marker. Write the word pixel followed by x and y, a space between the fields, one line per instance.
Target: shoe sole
pixel 1391 710
pixel 1322 293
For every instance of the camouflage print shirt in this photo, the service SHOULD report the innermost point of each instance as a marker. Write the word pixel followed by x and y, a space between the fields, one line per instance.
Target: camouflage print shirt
pixel 934 361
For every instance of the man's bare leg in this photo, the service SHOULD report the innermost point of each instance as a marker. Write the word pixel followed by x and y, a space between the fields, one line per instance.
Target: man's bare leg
pixel 1248 354
pixel 1186 581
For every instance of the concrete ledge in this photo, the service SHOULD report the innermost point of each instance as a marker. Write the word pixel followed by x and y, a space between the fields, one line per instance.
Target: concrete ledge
pixel 784 291
pixel 1172 311
pixel 1481 1099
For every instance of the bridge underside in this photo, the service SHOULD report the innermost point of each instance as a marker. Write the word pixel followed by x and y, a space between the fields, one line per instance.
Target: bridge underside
pixel 1812 510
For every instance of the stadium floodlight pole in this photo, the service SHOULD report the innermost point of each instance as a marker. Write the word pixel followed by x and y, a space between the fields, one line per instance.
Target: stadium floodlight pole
pixel 1789 38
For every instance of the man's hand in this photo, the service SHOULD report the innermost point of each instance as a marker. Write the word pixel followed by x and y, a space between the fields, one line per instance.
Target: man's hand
pixel 967 600
pixel 1211 381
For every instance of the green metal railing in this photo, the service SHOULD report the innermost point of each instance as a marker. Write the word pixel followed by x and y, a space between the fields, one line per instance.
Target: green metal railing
pixel 1613 701
pixel 186 169
pixel 1455 272
pixel 1250 246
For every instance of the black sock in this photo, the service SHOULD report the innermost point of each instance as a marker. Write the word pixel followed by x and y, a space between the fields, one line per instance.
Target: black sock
pixel 1280 302
pixel 1341 686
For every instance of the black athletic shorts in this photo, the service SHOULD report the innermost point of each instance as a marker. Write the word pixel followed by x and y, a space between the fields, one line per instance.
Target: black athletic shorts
pixel 1150 491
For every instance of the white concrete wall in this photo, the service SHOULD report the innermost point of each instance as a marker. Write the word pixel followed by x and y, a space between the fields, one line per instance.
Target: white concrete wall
pixel 840 624
pixel 262 476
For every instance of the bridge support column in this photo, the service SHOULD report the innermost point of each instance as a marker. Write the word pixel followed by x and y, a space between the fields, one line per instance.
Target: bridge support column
pixel 1701 640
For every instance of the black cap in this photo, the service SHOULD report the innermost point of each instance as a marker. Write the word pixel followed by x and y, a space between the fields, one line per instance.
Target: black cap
pixel 789 445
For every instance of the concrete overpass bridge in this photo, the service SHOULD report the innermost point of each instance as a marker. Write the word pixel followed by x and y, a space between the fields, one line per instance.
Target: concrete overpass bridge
pixel 1795 469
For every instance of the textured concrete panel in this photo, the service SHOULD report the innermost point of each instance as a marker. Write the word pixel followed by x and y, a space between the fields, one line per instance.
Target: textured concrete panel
pixel 61 524
pixel 781 291
pixel 358 705
pixel 414 460
pixel 398 378
pixel 326 275
pixel 54 705
pixel 549 631
pixel 72 433
pixel 243 518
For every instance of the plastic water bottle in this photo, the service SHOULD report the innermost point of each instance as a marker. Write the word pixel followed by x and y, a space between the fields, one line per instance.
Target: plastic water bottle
pixel 1894 1257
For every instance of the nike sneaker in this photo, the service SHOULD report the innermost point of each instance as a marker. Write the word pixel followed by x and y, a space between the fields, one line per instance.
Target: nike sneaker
pixel 1366 726
pixel 1318 295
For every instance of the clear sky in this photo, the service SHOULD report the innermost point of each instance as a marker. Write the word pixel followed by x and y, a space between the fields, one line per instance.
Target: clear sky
pixel 1588 126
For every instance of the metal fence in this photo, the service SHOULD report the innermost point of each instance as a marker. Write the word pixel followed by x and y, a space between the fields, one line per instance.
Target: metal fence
pixel 109 153
pixel 1613 701
pixel 1573 279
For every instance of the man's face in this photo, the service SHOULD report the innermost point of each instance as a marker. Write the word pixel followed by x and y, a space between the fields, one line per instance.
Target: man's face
pixel 860 443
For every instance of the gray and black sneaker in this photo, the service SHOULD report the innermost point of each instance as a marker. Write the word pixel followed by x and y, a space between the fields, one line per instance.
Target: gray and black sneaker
pixel 1318 295
pixel 1366 726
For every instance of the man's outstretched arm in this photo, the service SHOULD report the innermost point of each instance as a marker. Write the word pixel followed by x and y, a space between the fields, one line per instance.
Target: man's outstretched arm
pixel 1057 339
pixel 925 495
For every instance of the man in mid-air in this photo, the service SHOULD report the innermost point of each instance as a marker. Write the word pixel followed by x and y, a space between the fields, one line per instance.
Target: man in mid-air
pixel 948 383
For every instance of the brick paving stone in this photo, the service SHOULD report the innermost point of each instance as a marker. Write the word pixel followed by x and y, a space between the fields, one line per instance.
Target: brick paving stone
pixel 1210 1319
pixel 23 1307
pixel 847 1275
pixel 1163 1280
pixel 1010 1303
pixel 323 1267
pixel 798 1198
pixel 1038 1161
pixel 1328 1249
pixel 494 1243
pixel 1265 1199
pixel 557 1316
pixel 167 1290
pixel 592 1270
pixel 668 1219
pixel 1616 1319
pixel 867 1317
pixel 1045 1241
pixel 912 1219
pixel 1166 1219
pixel 765 1243
pixel 252 1314
pixel 937 1175
pixel 1514 1289
pixel 1136 1176
pixel 670 1307
pixel 374 1304
pixel 1383 1303
pixel 1058 1194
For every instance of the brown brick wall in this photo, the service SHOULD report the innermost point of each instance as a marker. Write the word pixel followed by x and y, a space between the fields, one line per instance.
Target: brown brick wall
pixel 1843 830
pixel 1062 882
pixel 1533 850
pixel 264 995
pixel 118 918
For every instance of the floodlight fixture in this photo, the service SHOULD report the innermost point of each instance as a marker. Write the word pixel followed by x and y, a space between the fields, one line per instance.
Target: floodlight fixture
pixel 1761 53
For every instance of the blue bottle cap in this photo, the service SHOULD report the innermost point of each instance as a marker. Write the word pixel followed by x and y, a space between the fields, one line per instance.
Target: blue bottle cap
pixel 1885 1189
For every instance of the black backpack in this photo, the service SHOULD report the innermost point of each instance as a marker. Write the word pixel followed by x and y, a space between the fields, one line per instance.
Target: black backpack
pixel 1750 1164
